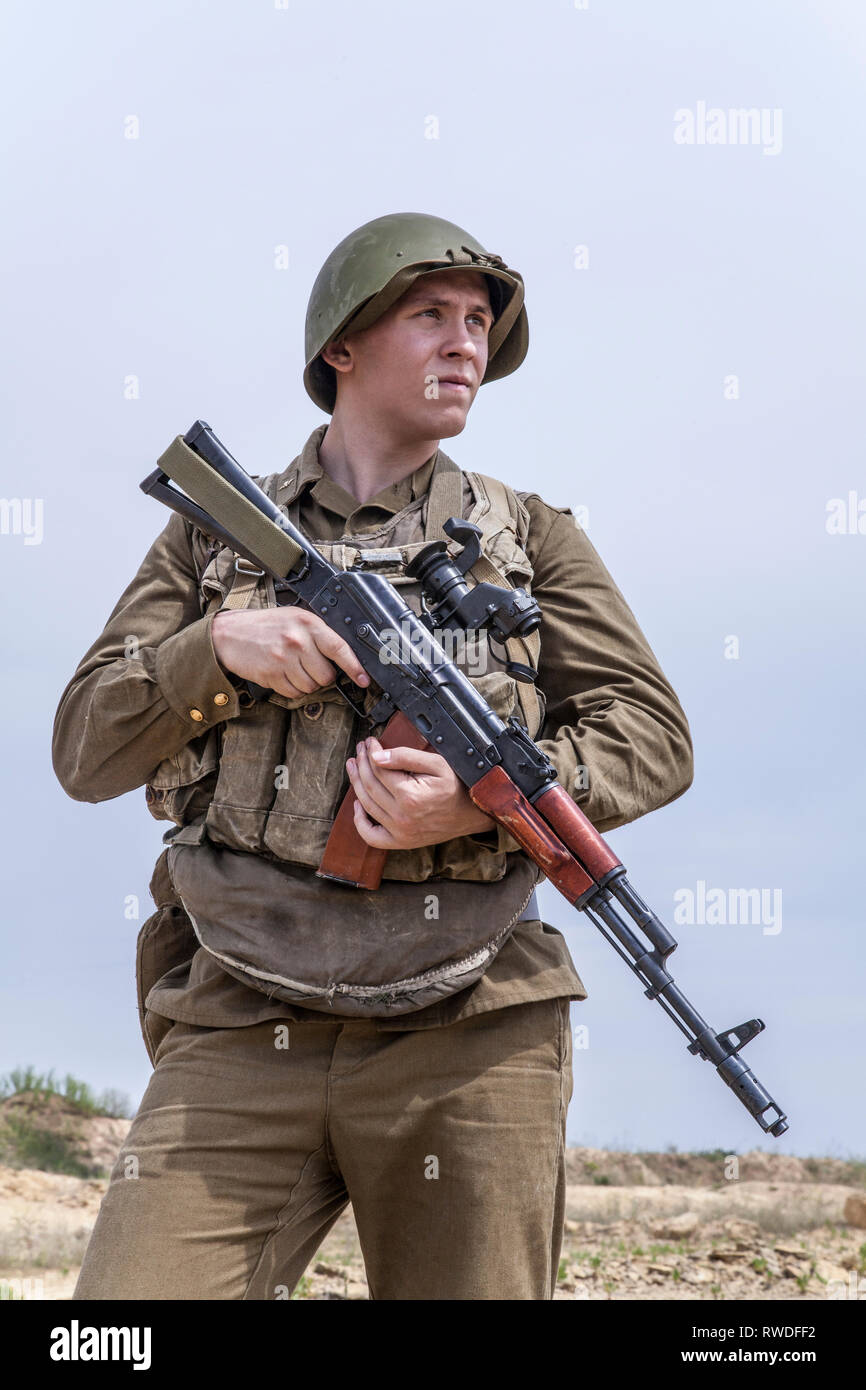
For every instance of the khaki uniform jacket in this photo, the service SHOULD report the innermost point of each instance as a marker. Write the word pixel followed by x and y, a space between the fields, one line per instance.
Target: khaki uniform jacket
pixel 609 710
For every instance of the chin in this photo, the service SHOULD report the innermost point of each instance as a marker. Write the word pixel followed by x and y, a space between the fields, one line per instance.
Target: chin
pixel 451 421
pixel 449 431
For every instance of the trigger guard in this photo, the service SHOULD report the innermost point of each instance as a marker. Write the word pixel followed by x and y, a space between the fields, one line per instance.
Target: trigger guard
pixel 355 695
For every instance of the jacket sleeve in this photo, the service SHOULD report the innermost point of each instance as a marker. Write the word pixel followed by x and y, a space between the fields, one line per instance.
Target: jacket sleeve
pixel 610 709
pixel 149 684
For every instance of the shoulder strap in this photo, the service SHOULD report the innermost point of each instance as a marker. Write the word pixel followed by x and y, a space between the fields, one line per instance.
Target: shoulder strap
pixel 444 497
pixel 497 507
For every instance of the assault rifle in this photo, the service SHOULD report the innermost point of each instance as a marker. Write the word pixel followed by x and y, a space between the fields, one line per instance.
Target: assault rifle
pixel 426 700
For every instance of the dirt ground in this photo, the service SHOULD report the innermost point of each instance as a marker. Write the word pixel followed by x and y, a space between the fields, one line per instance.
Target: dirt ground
pixel 638 1226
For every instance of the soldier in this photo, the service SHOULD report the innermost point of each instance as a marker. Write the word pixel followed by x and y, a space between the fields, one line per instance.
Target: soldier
pixel 407 1049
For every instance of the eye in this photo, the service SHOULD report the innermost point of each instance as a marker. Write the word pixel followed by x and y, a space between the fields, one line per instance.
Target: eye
pixel 478 318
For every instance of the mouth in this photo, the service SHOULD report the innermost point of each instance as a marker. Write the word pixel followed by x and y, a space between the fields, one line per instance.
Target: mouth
pixel 453 384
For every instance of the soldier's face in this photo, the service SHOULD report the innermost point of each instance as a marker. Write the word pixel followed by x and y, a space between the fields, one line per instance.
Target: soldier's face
pixel 420 365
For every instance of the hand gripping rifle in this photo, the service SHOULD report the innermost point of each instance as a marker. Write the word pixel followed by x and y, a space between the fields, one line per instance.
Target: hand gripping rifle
pixel 426 700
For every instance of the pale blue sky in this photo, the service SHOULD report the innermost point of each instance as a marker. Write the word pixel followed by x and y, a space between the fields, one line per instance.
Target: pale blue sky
pixel 154 257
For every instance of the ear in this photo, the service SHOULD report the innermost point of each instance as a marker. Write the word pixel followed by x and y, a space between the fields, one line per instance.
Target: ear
pixel 337 354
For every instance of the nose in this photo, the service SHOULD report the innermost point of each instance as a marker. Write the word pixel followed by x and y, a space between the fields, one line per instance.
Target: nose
pixel 458 339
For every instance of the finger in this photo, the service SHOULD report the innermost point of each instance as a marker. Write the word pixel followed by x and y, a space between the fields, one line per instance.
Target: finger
pixel 404 759
pixel 366 789
pixel 378 795
pixel 340 652
pixel 383 783
pixel 284 685
pixel 370 832
pixel 316 668
pixel 297 676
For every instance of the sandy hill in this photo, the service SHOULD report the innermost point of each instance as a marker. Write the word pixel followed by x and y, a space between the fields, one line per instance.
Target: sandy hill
pixel 638 1225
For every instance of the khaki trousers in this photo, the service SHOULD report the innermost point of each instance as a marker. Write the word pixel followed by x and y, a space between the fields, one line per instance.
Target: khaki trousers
pixel 448 1141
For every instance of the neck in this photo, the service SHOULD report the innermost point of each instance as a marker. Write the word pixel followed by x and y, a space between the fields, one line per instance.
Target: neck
pixel 363 456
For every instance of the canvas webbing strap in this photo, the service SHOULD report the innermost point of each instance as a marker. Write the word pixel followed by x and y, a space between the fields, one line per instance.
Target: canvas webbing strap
pixel 523 649
pixel 491 513
pixel 244 584
pixel 444 499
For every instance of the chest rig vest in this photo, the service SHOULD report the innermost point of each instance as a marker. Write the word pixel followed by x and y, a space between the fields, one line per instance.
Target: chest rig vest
pixel 269 782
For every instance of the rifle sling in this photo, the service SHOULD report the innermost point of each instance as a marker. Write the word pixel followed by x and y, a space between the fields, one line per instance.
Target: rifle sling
pixel 253 530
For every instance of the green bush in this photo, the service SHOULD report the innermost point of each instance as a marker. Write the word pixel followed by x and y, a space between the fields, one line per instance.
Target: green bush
pixel 25 1145
pixel 22 1080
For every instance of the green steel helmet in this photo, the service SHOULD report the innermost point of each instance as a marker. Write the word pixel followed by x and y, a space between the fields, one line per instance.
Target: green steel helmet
pixel 374 265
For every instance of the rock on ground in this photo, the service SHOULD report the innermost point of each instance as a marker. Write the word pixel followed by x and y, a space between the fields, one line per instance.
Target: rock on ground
pixel 648 1226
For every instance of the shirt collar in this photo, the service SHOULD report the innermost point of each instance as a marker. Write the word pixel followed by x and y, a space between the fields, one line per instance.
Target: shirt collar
pixel 306 472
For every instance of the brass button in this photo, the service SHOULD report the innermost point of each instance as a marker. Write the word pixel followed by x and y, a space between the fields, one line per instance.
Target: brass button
pixel 221 698
pixel 196 714
pixel 313 710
